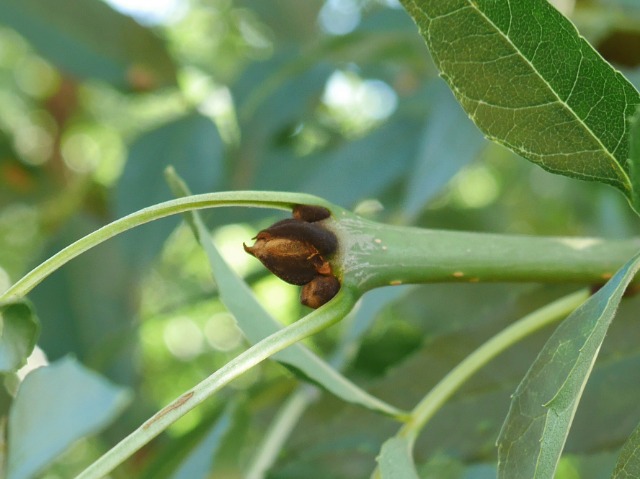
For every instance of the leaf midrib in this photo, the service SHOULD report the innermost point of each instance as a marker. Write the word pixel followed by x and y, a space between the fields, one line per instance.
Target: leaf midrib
pixel 616 165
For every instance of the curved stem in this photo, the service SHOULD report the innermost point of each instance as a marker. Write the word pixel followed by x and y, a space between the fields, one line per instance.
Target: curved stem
pixel 373 254
pixel 316 321
pixel 260 199
pixel 433 401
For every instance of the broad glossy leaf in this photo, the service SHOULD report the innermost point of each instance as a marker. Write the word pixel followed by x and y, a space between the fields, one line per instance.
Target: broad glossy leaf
pixel 193 146
pixel 628 465
pixel 256 323
pixel 529 81
pixel 19 329
pixel 545 402
pixel 88 39
pixel 55 406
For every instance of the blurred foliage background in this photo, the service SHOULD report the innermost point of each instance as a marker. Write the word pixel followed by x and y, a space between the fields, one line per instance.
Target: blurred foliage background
pixel 337 98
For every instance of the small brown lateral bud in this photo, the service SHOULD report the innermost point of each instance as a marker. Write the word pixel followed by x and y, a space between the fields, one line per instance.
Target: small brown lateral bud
pixel 310 213
pixel 293 250
pixel 292 261
pixel 296 249
pixel 319 291
pixel 322 239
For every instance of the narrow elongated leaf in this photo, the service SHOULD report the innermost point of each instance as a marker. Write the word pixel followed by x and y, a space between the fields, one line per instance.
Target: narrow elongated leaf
pixel 55 406
pixel 256 323
pixel 19 330
pixel 396 459
pixel 367 161
pixel 529 81
pixel 634 154
pixel 450 141
pixel 88 39
pixel 545 402
pixel 199 463
pixel 628 465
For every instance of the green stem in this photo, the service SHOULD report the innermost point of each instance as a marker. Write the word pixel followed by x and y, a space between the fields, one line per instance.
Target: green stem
pixel 433 401
pixel 374 255
pixel 311 324
pixel 260 199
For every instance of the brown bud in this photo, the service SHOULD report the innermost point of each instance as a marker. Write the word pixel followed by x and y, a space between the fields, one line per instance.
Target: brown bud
pixel 319 291
pixel 296 249
pixel 310 213
pixel 315 234
pixel 293 250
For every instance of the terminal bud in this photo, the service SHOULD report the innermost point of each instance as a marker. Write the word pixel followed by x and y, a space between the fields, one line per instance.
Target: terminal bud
pixel 296 251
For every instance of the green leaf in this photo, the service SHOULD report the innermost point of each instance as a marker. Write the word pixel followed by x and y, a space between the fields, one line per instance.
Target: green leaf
pixel 88 39
pixel 396 459
pixel 628 465
pixel 257 324
pixel 86 309
pixel 529 81
pixel 174 454
pixel 545 402
pixel 449 142
pixel 200 461
pixel 634 154
pixel 55 406
pixel 367 160
pixel 18 335
pixel 191 144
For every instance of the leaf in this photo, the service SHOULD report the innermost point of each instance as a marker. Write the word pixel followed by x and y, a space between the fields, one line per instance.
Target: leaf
pixel 360 322
pixel 449 142
pixel 451 329
pixel 634 153
pixel 529 81
pixel 628 4
pixel 19 332
pixel 374 161
pixel 545 402
pixel 396 459
pixel 199 463
pixel 256 323
pixel 628 465
pixel 88 307
pixel 173 455
pixel 192 144
pixel 272 97
pixel 88 39
pixel 55 406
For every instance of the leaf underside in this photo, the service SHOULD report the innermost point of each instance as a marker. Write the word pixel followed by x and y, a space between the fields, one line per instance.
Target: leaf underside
pixel 628 465
pixel 544 405
pixel 530 82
